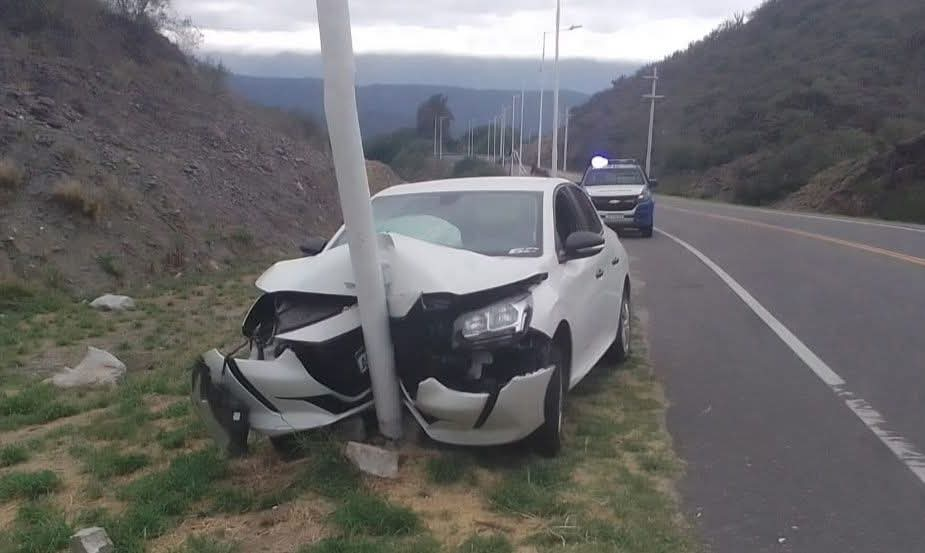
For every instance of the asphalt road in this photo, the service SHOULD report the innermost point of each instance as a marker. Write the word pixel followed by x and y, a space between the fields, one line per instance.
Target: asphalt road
pixel 800 413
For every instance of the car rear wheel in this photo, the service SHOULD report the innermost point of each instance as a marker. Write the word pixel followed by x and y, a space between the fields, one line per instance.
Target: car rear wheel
pixel 548 437
pixel 620 348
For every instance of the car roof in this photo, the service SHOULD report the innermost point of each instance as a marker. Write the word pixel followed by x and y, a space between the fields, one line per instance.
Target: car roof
pixel 485 184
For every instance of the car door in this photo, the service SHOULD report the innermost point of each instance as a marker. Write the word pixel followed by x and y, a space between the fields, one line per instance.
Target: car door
pixel 609 287
pixel 580 284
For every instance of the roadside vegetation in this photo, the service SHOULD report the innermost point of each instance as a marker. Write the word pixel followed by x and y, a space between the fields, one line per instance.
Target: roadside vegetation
pixel 137 461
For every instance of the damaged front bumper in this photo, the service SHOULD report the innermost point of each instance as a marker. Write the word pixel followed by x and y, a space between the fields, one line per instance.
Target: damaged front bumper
pixel 466 418
pixel 277 396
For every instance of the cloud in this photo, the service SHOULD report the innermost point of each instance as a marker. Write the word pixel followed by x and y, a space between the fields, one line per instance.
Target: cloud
pixel 612 29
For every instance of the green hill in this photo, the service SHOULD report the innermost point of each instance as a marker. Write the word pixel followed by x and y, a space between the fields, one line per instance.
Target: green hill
pixel 766 102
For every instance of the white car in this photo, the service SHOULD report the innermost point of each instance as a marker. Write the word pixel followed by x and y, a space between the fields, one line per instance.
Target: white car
pixel 503 293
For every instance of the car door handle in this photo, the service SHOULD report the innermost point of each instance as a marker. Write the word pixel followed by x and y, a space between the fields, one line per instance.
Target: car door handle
pixel 599 274
pixel 615 261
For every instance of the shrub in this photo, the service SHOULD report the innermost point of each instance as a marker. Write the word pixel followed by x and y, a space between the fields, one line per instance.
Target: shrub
pixel 11 176
pixel 75 195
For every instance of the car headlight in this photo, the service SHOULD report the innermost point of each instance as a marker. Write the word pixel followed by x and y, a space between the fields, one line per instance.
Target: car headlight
pixel 645 195
pixel 504 318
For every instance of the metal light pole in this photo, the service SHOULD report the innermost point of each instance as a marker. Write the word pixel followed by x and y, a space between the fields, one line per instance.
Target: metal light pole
pixel 539 132
pixel 520 148
pixel 435 135
pixel 555 99
pixel 653 97
pixel 442 117
pixel 491 137
pixel 503 127
pixel 565 146
pixel 340 108
pixel 513 116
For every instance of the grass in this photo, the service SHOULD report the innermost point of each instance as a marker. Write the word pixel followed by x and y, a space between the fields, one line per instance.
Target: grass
pixel 362 514
pixel 199 544
pixel 486 544
pixel 13 454
pixel 11 176
pixel 368 545
pixel 35 404
pixel 78 197
pixel 533 490
pixel 28 485
pixel 109 265
pixel 38 528
pixel 109 462
pixel 448 469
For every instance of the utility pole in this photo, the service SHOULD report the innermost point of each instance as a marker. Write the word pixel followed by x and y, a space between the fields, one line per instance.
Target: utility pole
pixel 565 146
pixel 435 135
pixel 491 138
pixel 653 97
pixel 442 118
pixel 539 132
pixel 503 126
pixel 520 149
pixel 340 108
pixel 555 98
pixel 513 116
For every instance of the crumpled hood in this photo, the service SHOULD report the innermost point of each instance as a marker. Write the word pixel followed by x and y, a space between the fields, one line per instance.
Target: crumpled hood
pixel 411 267
pixel 616 190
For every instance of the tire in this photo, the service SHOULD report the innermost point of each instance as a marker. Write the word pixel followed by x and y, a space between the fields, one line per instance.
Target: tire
pixel 548 437
pixel 622 343
pixel 289 446
pixel 646 231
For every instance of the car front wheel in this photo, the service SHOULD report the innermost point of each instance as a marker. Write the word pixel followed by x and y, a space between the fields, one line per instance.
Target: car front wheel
pixel 646 232
pixel 548 437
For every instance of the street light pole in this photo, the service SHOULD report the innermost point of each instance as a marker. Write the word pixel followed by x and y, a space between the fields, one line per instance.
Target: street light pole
pixel 565 146
pixel 653 97
pixel 503 127
pixel 340 108
pixel 442 118
pixel 435 135
pixel 539 132
pixel 520 148
pixel 513 118
pixel 555 98
pixel 491 138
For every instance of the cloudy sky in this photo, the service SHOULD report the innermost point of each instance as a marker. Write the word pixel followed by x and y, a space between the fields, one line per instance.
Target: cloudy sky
pixel 611 29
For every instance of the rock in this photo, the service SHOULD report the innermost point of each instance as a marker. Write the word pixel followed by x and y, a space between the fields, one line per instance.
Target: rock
pixel 373 460
pixel 91 540
pixel 112 302
pixel 98 368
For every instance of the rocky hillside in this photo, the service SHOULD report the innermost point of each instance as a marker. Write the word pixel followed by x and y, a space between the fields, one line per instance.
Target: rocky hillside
pixel 889 185
pixel 763 104
pixel 121 160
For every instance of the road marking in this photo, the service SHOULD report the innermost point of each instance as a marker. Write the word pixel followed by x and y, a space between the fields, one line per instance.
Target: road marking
pixel 847 243
pixel 902 448
pixel 846 219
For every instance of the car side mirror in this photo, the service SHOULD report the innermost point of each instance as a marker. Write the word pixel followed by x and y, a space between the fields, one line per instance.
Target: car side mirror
pixel 583 243
pixel 313 246
pixel 653 183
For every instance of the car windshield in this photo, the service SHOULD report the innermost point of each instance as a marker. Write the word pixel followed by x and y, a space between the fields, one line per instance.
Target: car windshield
pixel 496 223
pixel 613 176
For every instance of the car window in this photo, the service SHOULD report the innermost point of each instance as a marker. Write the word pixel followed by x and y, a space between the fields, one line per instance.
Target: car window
pixel 498 223
pixel 611 176
pixel 590 220
pixel 567 217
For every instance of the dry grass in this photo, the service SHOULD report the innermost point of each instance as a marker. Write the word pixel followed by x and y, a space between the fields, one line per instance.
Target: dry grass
pixel 79 197
pixel 11 176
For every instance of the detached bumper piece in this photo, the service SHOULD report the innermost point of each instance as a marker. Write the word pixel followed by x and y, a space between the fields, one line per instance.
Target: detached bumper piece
pixel 467 418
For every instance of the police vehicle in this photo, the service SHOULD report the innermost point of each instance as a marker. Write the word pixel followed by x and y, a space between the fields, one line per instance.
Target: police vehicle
pixel 621 193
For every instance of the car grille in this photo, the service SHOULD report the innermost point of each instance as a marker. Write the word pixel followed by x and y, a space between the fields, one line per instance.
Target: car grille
pixel 614 203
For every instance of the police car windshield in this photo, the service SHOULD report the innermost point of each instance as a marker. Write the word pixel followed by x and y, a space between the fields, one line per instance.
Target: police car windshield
pixel 610 176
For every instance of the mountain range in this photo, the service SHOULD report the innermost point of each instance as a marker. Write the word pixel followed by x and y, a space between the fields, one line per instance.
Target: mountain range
pixel 384 108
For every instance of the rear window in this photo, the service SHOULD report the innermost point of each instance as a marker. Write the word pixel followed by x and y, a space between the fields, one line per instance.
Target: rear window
pixel 611 176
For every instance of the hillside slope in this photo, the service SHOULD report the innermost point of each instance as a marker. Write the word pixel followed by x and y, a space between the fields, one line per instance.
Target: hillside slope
pixel 760 106
pixel 120 160
pixel 385 108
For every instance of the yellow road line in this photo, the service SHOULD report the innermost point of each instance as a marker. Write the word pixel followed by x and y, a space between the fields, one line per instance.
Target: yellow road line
pixel 847 243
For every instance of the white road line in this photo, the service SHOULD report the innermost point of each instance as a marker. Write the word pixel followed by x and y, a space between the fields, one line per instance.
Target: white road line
pixel 902 448
pixel 848 220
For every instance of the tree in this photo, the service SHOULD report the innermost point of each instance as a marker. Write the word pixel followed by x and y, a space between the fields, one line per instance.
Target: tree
pixel 429 111
pixel 156 12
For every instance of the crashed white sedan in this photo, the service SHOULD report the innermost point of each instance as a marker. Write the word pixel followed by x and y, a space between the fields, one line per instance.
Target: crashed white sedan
pixel 503 293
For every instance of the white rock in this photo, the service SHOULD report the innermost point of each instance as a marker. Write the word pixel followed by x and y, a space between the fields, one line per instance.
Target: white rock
pixel 98 368
pixel 373 460
pixel 91 540
pixel 112 302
